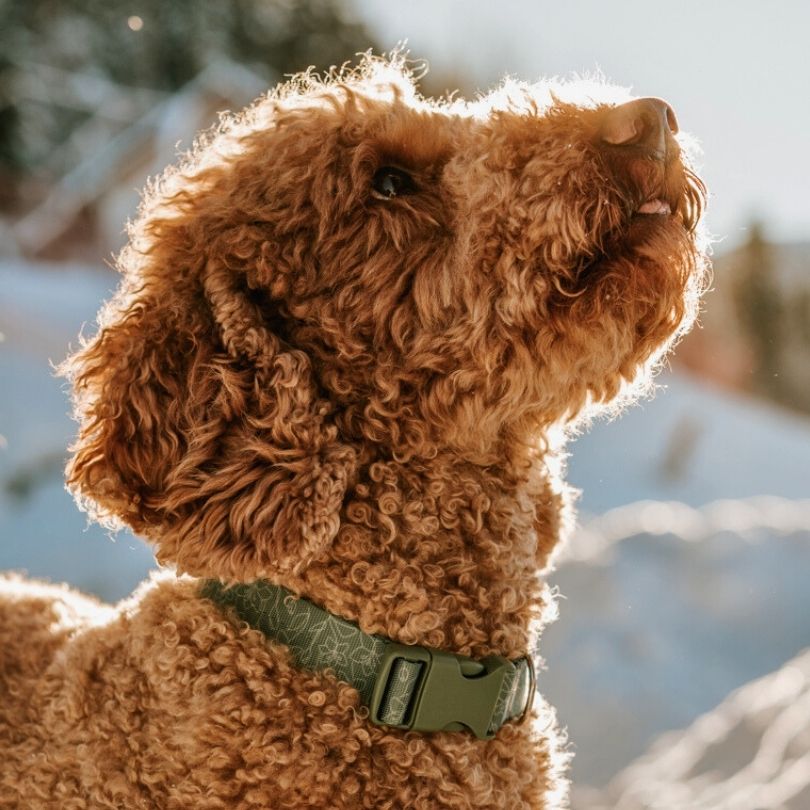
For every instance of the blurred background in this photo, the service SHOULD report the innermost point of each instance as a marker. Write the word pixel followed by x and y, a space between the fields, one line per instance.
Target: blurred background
pixel 680 661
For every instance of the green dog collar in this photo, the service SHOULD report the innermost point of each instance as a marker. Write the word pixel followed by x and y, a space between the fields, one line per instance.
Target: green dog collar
pixel 405 686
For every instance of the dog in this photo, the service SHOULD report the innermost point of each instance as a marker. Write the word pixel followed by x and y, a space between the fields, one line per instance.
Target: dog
pixel 352 325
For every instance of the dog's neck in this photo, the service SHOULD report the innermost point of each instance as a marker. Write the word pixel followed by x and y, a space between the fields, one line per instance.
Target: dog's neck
pixel 443 553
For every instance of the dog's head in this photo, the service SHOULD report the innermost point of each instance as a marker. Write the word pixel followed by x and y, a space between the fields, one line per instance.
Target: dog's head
pixel 348 266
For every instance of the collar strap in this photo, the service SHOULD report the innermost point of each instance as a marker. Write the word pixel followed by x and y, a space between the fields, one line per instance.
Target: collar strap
pixel 404 686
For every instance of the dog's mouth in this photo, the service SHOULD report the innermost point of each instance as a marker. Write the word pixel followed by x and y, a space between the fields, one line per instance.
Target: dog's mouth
pixel 655 196
pixel 661 204
pixel 673 192
pixel 654 206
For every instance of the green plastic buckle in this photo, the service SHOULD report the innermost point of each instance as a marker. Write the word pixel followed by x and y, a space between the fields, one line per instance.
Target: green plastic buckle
pixel 453 692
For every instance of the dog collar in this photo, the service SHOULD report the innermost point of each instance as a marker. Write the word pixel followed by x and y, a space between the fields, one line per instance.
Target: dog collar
pixel 404 686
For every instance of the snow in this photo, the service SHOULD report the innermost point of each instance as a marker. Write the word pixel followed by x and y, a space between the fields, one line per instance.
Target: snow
pixel 42 310
pixel 750 752
pixel 686 577
pixel 666 609
pixel 692 444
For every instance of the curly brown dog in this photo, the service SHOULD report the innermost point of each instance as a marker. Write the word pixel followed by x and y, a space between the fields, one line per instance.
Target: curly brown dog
pixel 349 327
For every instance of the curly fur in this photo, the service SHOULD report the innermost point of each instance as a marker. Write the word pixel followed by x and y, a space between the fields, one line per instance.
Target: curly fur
pixel 355 398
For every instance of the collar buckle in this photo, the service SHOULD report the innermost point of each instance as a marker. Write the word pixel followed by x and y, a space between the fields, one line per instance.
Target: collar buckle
pixel 424 689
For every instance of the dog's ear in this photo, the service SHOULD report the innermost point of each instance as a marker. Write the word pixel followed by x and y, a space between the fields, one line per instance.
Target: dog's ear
pixel 200 428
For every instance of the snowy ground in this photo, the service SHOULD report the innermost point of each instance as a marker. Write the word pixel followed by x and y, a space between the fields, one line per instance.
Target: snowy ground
pixel 693 444
pixel 666 610
pixel 42 310
pixel 751 752
pixel 687 576
pixel 686 579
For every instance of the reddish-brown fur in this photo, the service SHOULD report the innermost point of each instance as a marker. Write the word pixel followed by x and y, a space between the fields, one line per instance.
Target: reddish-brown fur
pixel 355 398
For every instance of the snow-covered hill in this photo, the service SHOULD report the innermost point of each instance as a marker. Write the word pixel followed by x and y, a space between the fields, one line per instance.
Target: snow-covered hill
pixel 750 752
pixel 665 610
pixel 671 602
pixel 694 444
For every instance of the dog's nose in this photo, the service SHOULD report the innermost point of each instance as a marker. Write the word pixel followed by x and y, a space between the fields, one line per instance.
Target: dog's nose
pixel 646 123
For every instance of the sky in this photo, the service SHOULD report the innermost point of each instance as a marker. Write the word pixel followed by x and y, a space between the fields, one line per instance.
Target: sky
pixel 736 73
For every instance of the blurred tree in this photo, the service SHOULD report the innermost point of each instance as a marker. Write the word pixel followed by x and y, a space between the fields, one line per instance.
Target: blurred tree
pixel 150 44
pixel 802 315
pixel 759 309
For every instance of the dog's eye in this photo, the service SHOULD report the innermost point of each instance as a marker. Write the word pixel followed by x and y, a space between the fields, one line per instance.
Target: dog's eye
pixel 389 182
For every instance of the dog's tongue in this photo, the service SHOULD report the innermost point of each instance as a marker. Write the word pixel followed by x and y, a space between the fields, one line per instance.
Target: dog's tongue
pixel 655 207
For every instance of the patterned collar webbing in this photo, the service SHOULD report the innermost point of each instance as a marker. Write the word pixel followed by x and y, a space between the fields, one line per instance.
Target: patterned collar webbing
pixel 319 640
